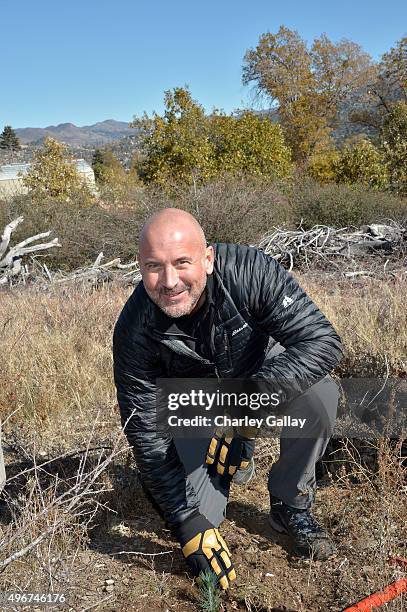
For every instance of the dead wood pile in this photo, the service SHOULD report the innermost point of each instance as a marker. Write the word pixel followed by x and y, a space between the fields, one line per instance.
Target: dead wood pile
pixel 327 246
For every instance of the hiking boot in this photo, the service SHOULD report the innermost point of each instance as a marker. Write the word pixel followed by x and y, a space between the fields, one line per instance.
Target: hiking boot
pixel 309 539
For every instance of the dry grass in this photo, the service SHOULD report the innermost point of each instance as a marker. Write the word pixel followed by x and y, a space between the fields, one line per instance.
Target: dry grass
pixel 53 505
pixel 59 365
pixel 371 318
pixel 369 521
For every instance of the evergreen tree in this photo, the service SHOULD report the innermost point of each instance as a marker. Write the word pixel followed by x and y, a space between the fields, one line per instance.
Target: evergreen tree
pixel 106 166
pixel 98 163
pixel 9 139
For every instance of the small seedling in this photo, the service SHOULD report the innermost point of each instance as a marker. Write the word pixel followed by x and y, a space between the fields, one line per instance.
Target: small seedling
pixel 209 592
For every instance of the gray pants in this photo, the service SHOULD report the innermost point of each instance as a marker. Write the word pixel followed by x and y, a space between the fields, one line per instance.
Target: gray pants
pixel 292 478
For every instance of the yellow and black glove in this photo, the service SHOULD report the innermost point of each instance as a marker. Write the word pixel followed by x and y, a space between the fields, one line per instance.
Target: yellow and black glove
pixel 231 451
pixel 204 548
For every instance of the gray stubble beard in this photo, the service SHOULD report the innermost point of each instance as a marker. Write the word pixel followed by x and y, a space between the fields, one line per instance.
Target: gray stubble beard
pixel 174 313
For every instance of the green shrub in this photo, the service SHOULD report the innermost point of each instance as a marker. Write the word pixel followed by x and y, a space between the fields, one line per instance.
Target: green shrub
pixel 116 185
pixel 321 166
pixel 362 163
pixel 52 174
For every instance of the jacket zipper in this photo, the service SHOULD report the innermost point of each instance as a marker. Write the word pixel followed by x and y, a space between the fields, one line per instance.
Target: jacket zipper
pixel 188 351
pixel 227 348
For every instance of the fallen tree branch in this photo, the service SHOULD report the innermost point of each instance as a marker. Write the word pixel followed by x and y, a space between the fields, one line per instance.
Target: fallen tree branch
pixel 99 273
pixel 8 230
pixel 11 262
pixel 142 554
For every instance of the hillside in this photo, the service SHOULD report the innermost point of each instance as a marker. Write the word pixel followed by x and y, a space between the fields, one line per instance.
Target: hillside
pixel 95 135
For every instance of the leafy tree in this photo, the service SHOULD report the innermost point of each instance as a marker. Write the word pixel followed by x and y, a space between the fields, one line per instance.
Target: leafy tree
pixel 306 85
pixel 362 163
pixel 249 144
pixel 52 173
pixel 186 147
pixel 394 145
pixel 177 146
pixel 392 81
pixel 339 69
pixel 305 128
pixel 9 139
pixel 381 167
pixel 280 67
pixel 387 86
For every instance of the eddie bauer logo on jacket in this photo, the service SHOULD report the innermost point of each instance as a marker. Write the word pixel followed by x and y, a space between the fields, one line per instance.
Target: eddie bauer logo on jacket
pixel 239 329
pixel 287 301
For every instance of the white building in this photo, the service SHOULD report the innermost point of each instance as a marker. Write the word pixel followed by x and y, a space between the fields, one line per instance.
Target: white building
pixel 12 175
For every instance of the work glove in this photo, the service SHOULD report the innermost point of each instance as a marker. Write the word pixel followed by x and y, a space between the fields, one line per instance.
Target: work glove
pixel 230 450
pixel 204 548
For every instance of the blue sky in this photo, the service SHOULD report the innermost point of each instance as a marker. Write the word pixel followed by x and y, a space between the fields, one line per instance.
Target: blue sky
pixel 90 60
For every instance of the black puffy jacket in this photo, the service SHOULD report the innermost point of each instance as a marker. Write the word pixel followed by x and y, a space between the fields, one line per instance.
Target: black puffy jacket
pixel 256 302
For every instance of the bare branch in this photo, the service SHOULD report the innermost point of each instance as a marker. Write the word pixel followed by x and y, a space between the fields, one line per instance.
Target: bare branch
pixel 8 230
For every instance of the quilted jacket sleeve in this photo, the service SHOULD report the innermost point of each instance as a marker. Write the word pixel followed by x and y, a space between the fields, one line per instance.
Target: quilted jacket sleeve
pixel 283 310
pixel 135 371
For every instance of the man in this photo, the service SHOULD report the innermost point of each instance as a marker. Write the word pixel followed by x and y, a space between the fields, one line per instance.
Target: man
pixel 226 311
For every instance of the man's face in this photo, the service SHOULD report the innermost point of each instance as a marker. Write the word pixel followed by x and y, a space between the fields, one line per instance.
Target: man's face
pixel 174 267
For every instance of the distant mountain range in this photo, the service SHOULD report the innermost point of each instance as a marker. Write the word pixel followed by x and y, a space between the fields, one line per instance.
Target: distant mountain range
pixel 87 136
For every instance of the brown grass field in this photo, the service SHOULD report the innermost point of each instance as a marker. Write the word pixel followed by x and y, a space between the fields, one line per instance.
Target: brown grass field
pixel 75 514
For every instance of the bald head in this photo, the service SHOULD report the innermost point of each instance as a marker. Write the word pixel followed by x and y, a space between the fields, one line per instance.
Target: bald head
pixel 171 222
pixel 174 261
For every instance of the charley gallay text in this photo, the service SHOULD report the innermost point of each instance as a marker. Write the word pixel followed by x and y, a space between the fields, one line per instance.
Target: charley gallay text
pixel 224 420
